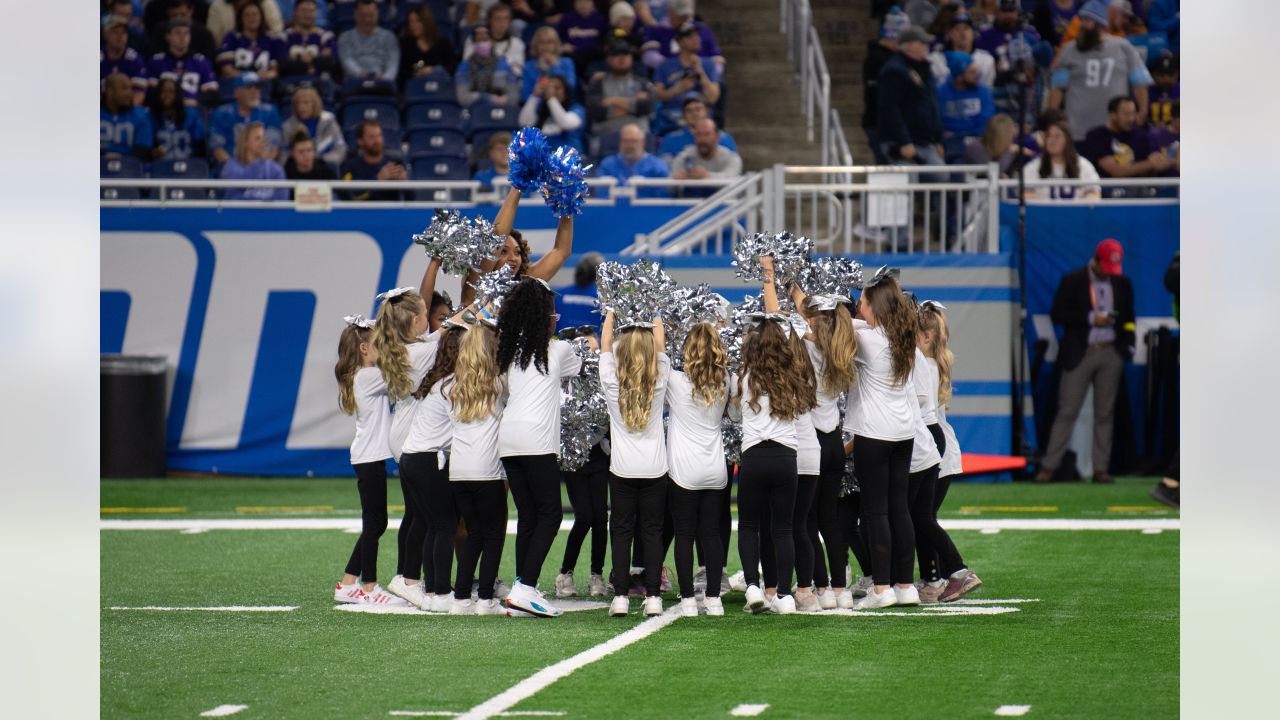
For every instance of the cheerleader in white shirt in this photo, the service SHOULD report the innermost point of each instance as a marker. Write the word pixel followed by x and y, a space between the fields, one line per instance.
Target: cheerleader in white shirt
pixel 808 465
pixel 529 431
pixel 477 397
pixel 362 393
pixel 882 417
pixel 633 378
pixel 925 462
pixel 943 571
pixel 696 399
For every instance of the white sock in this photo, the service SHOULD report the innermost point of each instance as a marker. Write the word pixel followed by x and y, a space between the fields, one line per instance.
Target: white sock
pixel 959 574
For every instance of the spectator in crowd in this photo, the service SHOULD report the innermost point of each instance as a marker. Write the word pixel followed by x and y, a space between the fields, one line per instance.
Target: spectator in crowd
pixel 289 10
pixel 322 126
pixel 136 36
pixel 1094 69
pixel 124 129
pixel 998 145
pixel 199 40
pixel 309 49
pixel 249 48
pixel 942 22
pixel 1010 41
pixel 965 104
pixel 653 13
pixel 582 33
pixel 624 26
pixel 1094 306
pixel 303 163
pixel 422 47
pixel 686 75
pixel 369 162
pixel 1046 119
pixel 1051 18
pixel 1120 22
pixel 576 303
pixel 498 167
pixel 247 107
pixel 631 160
pixel 1165 89
pixel 878 53
pixel 1120 149
pixel 545 60
pixel 705 159
pixel 504 44
pixel 224 17
pixel 366 50
pixel 192 71
pixel 117 57
pixel 691 113
pixel 664 42
pixel 485 74
pixel 179 131
pixel 922 12
pixel 534 12
pixel 620 97
pixel 1060 160
pixel 552 110
pixel 1164 140
pixel 984 12
pixel 960 37
pixel 910 124
pixel 251 163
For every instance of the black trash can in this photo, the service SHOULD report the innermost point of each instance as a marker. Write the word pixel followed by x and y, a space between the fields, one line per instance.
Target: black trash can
pixel 133 416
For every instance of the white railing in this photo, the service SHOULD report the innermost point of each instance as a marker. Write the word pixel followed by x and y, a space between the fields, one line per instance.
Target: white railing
pixel 741 207
pixel 804 51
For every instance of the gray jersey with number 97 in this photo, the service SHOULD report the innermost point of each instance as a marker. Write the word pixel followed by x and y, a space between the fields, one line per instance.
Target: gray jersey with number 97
pixel 1092 78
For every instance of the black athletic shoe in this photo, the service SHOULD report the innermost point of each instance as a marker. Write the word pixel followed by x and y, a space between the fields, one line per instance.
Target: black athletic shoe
pixel 1167 495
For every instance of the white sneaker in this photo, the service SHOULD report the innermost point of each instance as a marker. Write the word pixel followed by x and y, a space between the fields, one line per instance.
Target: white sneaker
pixel 862 587
pixel 416 595
pixel 514 613
pixel 783 605
pixel 442 603
pixel 806 602
pixel 700 580
pixel 397 586
pixel 564 585
pixel 620 606
pixel 738 582
pixel 907 596
pixel 844 600
pixel 596 586
pixel 531 600
pixel 848 575
pixel 383 598
pixel 489 607
pixel 688 607
pixel 652 605
pixel 827 599
pixel 501 589
pixel 755 599
pixel 352 593
pixel 874 600
pixel 714 606
pixel 463 607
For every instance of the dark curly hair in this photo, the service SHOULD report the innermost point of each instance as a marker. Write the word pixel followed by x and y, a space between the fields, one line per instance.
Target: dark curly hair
pixel 766 359
pixel 446 359
pixel 524 326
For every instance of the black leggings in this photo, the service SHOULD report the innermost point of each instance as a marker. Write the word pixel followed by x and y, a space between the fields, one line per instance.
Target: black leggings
pixel 824 515
pixel 414 560
pixel 483 507
pixel 696 514
pixel 726 511
pixel 535 486
pixel 883 468
pixel 371 483
pixel 806 489
pixel 589 496
pixel 937 553
pixel 767 479
pixel 851 525
pixel 637 503
pixel 435 518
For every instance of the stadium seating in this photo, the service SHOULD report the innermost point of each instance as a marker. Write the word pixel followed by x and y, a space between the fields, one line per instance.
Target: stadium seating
pixel 436 86
pixel 190 169
pixel 434 116
pixel 286 86
pixel 488 118
pixel 444 168
pixel 383 110
pixel 437 142
pixel 121 167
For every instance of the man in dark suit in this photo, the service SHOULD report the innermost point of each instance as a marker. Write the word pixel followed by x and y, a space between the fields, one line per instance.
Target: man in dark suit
pixel 1094 305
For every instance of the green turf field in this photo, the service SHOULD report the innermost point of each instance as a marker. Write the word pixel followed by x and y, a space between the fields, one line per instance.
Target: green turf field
pixel 1099 640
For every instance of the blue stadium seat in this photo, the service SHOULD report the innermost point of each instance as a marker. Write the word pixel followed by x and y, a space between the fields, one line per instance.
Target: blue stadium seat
pixel 435 86
pixel 391 140
pixel 357 89
pixel 431 116
pixel 121 167
pixel 488 118
pixel 609 143
pixel 342 17
pixel 437 142
pixel 382 110
pixel 288 85
pixel 190 169
pixel 440 167
pixel 227 94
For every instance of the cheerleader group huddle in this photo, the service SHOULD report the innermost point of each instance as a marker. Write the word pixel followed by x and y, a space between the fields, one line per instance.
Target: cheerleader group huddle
pixel 477 396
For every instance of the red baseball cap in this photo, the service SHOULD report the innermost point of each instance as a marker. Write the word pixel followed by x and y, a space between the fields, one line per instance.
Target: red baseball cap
pixel 1109 255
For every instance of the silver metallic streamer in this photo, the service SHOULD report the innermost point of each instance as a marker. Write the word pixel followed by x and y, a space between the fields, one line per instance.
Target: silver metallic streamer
pixel 460 243
pixel 492 287
pixel 635 292
pixel 584 416
pixel 790 255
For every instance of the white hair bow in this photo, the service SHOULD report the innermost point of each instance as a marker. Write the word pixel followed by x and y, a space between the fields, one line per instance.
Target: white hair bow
pixel 394 293
pixel 358 320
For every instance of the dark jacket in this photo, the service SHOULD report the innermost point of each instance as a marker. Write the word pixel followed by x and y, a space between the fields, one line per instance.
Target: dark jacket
pixel 1072 309
pixel 877 56
pixel 908 104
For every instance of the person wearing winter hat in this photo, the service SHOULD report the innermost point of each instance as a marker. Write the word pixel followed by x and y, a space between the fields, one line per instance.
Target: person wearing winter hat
pixel 962 36
pixel 878 53
pixel 966 105
pixel 1116 18
pixel 909 122
pixel 1086 89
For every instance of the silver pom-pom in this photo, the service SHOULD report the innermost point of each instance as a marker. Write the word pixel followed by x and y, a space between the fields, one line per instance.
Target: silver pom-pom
pixel 633 292
pixel 790 255
pixel 830 279
pixel 685 309
pixel 460 243
pixel 731 435
pixel 584 416
pixel 492 287
pixel 848 480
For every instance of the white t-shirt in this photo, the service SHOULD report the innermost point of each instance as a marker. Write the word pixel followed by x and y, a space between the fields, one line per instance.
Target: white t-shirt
pixel 808 451
pixel 826 415
pixel 432 428
pixel 422 355
pixel 635 454
pixel 877 408
pixel 924 451
pixel 474 452
pixel 758 427
pixel 372 442
pixel 951 457
pixel 925 378
pixel 530 422
pixel 1062 192
pixel 695 446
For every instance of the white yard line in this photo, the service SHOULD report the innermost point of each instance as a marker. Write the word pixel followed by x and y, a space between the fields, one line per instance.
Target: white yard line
pixel 450 713
pixel 540 680
pixel 749 709
pixel 1012 710
pixel 223 710
pixel 224 608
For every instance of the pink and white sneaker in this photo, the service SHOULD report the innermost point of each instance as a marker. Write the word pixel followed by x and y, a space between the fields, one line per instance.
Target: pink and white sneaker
pixel 352 593
pixel 383 598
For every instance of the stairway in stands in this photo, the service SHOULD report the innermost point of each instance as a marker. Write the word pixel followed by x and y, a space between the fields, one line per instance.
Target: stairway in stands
pixel 844 28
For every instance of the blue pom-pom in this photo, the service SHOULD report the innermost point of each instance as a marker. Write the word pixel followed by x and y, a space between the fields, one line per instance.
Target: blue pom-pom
pixel 528 154
pixel 566 187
